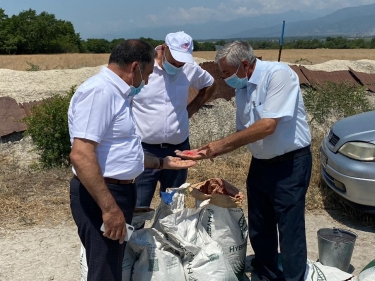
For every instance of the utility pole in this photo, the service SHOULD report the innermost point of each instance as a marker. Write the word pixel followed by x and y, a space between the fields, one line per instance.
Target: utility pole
pixel 281 40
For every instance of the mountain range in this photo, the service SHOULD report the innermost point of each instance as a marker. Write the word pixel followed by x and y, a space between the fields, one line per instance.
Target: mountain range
pixel 351 21
pixel 354 21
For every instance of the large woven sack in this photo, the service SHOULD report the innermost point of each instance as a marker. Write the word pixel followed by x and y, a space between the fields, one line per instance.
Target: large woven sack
pixel 172 201
pixel 157 258
pixel 203 258
pixel 224 220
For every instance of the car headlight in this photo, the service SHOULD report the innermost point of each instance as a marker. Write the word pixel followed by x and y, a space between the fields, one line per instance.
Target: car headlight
pixel 359 151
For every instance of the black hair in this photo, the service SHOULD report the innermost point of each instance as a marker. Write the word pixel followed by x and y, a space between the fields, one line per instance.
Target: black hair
pixel 131 50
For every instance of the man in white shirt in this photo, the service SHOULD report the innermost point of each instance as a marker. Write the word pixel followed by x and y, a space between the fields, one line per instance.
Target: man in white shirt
pixel 107 156
pixel 161 111
pixel 271 120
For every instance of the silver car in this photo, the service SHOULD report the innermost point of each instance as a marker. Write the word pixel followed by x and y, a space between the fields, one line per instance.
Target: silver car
pixel 347 158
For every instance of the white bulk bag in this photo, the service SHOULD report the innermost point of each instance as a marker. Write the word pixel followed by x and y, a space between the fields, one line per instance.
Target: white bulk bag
pixel 315 271
pixel 173 200
pixel 157 259
pixel 203 258
pixel 223 220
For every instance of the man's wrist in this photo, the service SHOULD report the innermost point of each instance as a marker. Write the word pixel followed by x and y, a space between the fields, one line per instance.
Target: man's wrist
pixel 161 163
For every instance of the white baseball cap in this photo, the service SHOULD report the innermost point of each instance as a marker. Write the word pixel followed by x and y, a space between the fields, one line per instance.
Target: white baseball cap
pixel 181 46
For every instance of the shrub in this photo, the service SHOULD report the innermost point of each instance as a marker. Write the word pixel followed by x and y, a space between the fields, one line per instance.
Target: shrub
pixel 33 67
pixel 48 128
pixel 330 102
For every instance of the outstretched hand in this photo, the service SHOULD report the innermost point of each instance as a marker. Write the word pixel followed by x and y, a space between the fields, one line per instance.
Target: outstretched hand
pixel 208 151
pixel 194 154
pixel 176 163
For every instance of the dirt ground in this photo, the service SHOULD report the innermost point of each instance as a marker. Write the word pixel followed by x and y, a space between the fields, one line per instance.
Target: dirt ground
pixel 52 253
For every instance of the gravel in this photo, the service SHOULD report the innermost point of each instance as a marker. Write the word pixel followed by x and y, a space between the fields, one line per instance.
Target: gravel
pixel 212 122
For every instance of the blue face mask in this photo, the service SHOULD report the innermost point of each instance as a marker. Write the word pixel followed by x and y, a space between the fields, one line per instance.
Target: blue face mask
pixel 135 91
pixel 235 82
pixel 170 68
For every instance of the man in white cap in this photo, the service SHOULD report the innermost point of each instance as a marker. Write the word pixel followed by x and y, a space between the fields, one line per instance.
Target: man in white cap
pixel 161 111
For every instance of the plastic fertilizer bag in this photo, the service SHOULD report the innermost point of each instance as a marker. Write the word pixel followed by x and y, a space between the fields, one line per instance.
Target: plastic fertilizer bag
pixel 224 220
pixel 203 259
pixel 140 215
pixel 157 259
pixel 172 201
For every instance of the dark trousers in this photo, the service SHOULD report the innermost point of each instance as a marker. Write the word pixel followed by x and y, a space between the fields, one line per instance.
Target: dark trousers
pixel 276 196
pixel 104 256
pixel 147 181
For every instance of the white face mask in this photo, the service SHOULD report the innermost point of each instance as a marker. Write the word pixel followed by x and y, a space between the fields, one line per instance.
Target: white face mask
pixel 235 82
pixel 135 91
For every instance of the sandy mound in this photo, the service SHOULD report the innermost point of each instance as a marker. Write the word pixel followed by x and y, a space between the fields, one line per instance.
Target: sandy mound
pixel 367 66
pixel 26 86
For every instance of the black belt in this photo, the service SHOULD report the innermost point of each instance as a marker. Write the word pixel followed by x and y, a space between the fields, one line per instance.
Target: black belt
pixel 165 145
pixel 287 156
pixel 112 181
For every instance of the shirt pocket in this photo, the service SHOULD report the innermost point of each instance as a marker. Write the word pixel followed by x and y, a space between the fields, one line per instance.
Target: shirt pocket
pixel 258 112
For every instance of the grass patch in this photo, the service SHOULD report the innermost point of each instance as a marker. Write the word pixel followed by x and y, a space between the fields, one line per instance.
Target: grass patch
pixel 33 197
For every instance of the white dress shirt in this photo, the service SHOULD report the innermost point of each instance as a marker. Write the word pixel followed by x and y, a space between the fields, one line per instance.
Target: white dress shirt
pixel 160 108
pixel 273 91
pixel 100 111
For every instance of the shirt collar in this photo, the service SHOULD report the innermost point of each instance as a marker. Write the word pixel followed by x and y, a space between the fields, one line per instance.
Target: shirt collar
pixel 254 78
pixel 121 84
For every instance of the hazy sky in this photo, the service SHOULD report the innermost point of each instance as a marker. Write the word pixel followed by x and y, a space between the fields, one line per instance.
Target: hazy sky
pixel 94 18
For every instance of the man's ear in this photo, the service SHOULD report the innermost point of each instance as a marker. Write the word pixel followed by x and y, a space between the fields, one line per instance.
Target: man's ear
pixel 134 66
pixel 245 64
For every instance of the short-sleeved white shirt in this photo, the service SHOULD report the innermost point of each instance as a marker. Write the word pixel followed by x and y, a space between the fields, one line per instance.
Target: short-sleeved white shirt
pixel 160 108
pixel 273 91
pixel 100 111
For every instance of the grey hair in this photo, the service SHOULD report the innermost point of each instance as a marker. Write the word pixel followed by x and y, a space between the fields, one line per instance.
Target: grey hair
pixel 235 53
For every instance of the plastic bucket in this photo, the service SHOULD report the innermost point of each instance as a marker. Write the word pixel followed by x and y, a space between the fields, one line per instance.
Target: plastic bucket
pixel 336 247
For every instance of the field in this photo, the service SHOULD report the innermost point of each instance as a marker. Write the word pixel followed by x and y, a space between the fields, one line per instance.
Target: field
pixel 305 56
pixel 73 61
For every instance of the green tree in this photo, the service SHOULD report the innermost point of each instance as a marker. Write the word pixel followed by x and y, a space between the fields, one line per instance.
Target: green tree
pixel 152 42
pixel 358 44
pixel 207 46
pixel 4 33
pixel 220 42
pixel 3 27
pixel 30 33
pixel 98 46
pixel 196 45
pixel 115 42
